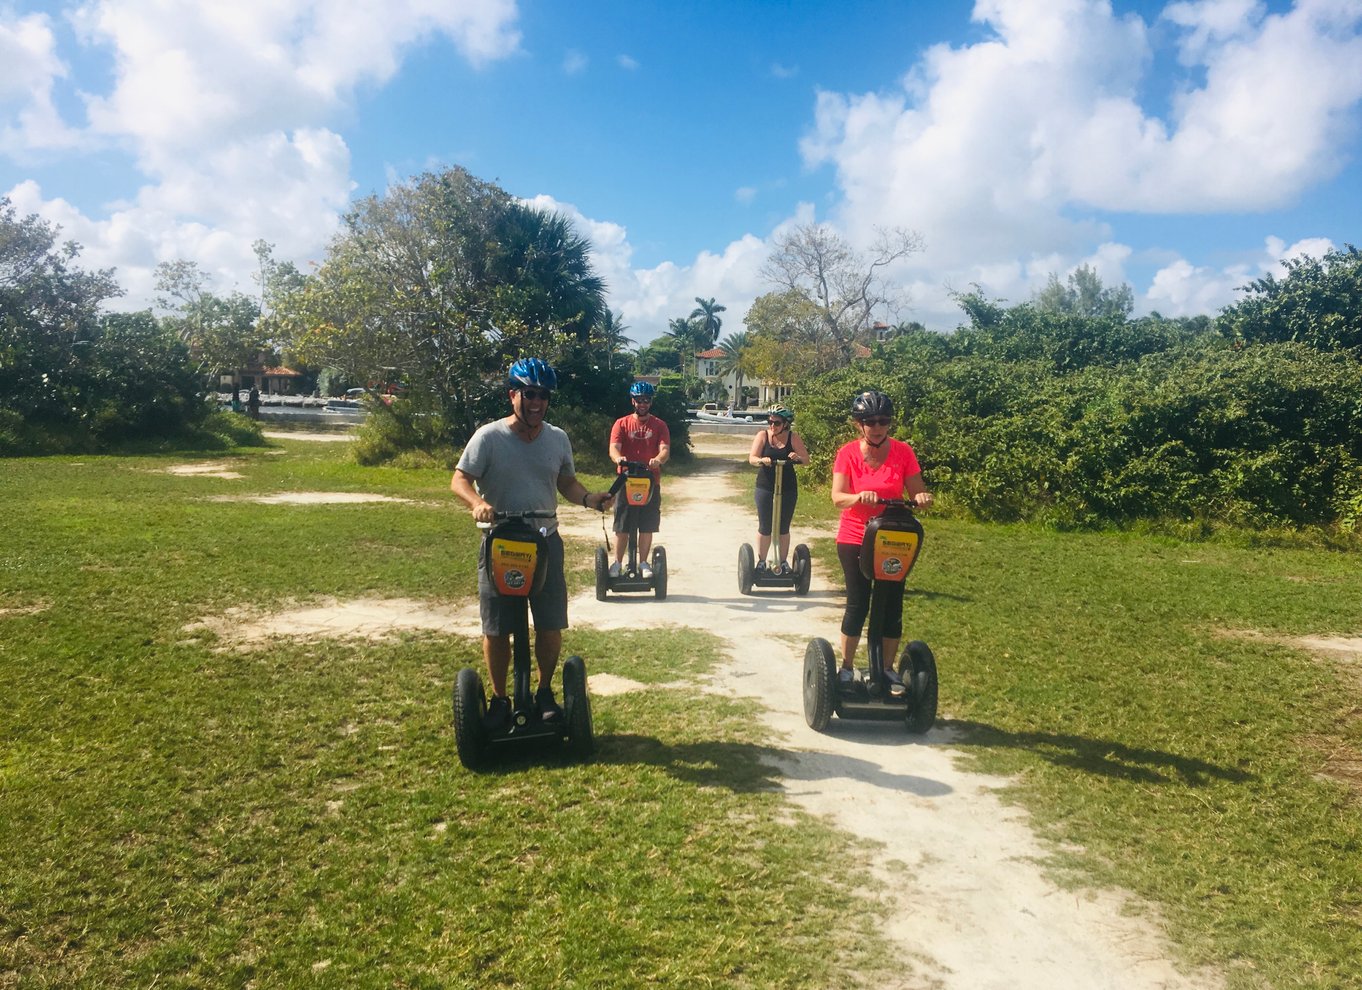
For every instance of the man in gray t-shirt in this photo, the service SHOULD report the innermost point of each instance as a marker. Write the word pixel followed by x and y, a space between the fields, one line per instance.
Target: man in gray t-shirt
pixel 514 464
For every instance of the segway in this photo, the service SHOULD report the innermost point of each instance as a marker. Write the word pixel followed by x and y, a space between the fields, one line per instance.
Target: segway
pixel 770 577
pixel 892 542
pixel 637 482
pixel 516 556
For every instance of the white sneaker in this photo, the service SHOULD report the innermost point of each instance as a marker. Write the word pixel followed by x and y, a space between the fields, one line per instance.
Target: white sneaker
pixel 614 569
pixel 645 572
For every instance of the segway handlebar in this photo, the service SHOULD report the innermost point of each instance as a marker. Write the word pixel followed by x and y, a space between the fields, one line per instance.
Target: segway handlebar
pixel 636 468
pixel 501 515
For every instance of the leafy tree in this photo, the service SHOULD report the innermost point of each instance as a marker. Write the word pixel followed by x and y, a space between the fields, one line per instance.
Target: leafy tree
pixel 222 333
pixel 705 317
pixel 446 278
pixel 788 337
pixel 1318 302
pixel 657 355
pixel 1083 294
pixel 846 287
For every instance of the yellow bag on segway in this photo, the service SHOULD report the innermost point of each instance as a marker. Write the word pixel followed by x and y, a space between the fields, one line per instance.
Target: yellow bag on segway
pixel 638 489
pixel 891 544
pixel 516 558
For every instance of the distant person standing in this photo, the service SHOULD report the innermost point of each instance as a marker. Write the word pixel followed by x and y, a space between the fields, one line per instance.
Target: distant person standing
pixel 236 400
pixel 643 438
pixel 253 402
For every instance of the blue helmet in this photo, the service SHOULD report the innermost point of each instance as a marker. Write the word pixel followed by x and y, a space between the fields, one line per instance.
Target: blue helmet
pixel 531 372
pixel 642 390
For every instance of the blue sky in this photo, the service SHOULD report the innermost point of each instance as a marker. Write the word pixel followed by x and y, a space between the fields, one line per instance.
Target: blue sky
pixel 1182 147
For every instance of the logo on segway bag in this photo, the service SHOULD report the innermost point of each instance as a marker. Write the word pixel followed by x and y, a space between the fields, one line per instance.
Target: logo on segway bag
pixel 895 551
pixel 512 564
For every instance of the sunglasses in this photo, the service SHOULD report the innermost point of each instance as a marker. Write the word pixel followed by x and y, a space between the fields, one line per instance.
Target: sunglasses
pixel 642 398
pixel 877 421
pixel 534 394
pixel 776 421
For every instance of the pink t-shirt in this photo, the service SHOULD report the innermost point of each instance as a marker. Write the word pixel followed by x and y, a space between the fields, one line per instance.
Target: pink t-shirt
pixel 886 481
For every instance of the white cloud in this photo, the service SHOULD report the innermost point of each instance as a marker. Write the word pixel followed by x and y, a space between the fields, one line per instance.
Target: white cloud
pixel 627 62
pixel 29 121
pixel 224 108
pixel 648 297
pixel 781 71
pixel 745 194
pixel 187 73
pixel 1183 289
pixel 574 62
pixel 1011 148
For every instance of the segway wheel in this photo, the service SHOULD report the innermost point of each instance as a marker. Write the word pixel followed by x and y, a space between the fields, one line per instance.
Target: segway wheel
pixel 470 738
pixel 747 565
pixel 820 684
pixel 602 574
pixel 803 568
pixel 659 573
pixel 581 741
pixel 917 667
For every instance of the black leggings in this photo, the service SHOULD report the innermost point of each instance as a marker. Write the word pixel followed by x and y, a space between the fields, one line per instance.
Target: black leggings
pixel 858 596
pixel 789 495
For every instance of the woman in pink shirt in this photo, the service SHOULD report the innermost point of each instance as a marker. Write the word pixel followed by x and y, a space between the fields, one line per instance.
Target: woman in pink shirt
pixel 869 468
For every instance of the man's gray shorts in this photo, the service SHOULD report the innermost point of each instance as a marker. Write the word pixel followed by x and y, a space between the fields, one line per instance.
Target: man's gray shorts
pixel 549 607
pixel 649 517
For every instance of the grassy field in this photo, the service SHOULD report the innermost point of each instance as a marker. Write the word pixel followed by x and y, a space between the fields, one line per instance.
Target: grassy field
pixel 175 814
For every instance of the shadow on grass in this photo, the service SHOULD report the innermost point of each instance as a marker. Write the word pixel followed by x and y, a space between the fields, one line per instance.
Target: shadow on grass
pixel 745 768
pixel 1096 756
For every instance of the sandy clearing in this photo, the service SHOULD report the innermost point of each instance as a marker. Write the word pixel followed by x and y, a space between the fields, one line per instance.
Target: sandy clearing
pixel 208 469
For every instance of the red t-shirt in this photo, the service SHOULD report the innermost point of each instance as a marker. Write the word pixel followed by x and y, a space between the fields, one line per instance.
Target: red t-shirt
pixel 640 440
pixel 886 481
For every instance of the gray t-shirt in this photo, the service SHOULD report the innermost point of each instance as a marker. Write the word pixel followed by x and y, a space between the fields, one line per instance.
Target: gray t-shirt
pixel 514 475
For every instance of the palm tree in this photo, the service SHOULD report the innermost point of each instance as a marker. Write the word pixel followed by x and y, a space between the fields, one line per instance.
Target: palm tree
pixel 736 359
pixel 706 318
pixel 683 332
pixel 609 335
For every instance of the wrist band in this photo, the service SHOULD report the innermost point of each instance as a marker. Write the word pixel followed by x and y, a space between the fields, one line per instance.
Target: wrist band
pixel 585 496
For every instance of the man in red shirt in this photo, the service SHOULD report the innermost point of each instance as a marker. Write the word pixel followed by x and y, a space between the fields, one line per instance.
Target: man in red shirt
pixel 641 437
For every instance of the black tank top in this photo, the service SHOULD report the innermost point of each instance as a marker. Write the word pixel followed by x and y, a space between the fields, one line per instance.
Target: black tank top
pixel 766 476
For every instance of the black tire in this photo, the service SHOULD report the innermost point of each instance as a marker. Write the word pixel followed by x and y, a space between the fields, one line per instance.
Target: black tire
pixel 581 742
pixel 747 565
pixel 820 684
pixel 917 667
pixel 602 574
pixel 470 704
pixel 659 573
pixel 803 568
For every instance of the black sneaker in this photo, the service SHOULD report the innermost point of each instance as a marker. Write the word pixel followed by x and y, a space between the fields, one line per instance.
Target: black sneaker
pixel 761 567
pixel 784 569
pixel 548 705
pixel 498 714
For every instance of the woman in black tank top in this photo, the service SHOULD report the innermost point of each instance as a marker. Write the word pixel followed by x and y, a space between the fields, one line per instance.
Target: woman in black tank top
pixel 768 447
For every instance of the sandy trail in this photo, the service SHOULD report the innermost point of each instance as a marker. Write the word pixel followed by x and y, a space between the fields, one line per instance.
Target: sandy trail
pixel 964 893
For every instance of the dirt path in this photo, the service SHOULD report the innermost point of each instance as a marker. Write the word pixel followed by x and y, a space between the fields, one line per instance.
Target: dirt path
pixel 962 885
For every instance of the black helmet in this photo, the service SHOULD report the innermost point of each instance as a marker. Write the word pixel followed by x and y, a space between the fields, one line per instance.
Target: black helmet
pixel 871 404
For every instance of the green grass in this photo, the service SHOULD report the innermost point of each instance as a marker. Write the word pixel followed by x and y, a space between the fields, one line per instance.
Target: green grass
pixel 175 814
pixel 179 815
